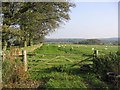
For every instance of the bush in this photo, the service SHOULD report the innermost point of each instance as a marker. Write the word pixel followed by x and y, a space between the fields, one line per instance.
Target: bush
pixel 107 63
pixel 12 72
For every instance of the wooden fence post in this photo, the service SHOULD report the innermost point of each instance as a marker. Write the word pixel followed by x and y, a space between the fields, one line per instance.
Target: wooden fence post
pixel 25 59
pixel 95 53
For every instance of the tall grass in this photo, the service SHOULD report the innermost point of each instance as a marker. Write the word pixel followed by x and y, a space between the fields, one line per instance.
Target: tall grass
pixel 12 70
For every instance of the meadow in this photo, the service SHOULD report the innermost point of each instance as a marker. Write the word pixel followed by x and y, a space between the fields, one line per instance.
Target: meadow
pixel 67 65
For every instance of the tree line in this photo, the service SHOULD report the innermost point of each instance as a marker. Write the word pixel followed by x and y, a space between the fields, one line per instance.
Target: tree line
pixel 84 41
pixel 25 23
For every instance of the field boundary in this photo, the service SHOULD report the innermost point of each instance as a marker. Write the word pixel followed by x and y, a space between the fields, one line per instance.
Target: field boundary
pixel 32 48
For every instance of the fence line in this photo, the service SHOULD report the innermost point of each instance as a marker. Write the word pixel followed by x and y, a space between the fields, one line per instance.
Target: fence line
pixel 17 52
pixel 23 54
pixel 94 53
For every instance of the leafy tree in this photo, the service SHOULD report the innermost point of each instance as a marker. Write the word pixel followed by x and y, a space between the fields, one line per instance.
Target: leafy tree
pixel 36 19
pixel 9 34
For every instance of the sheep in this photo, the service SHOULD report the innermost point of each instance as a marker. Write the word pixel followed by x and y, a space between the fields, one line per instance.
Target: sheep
pixel 92 48
pixel 105 48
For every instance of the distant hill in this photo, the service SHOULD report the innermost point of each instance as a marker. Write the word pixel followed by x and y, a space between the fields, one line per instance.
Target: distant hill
pixel 84 41
pixel 109 39
pixel 64 40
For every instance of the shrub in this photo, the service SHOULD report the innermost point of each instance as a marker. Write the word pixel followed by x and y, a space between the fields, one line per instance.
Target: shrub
pixel 12 70
pixel 107 63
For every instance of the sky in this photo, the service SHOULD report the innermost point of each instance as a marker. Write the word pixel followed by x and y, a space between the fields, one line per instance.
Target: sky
pixel 90 20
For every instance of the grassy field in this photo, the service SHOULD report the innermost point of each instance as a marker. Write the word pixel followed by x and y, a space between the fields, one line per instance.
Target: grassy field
pixel 59 65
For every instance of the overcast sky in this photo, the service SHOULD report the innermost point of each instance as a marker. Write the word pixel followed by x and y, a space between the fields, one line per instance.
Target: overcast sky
pixel 90 20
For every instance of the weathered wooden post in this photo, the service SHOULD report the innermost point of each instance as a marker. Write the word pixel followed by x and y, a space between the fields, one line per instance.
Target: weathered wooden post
pixel 25 59
pixel 95 53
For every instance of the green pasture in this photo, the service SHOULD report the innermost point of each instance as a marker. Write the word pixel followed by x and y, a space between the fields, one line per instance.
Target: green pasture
pixel 58 65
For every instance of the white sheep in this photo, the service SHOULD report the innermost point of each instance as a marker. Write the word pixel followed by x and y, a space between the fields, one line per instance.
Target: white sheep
pixel 59 46
pixel 105 48
pixel 93 49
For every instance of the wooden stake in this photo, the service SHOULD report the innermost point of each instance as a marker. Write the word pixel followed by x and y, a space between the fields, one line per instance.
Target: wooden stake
pixel 25 59
pixel 95 53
